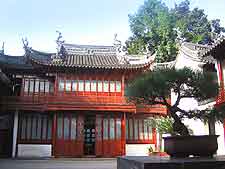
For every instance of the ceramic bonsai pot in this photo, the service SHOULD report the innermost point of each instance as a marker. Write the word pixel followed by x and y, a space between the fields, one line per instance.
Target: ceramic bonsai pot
pixel 184 146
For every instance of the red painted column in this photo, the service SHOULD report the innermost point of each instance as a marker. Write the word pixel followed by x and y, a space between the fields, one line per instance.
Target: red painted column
pixel 22 88
pixel 154 137
pixel 123 134
pixel 54 134
pixel 123 85
pixel 221 92
pixel 224 129
pixel 220 72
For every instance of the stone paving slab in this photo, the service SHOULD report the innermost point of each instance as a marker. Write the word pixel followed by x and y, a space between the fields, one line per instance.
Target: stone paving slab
pixel 58 163
pixel 128 162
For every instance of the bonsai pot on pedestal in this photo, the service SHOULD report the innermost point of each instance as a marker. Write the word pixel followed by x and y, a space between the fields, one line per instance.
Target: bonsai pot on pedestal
pixel 183 146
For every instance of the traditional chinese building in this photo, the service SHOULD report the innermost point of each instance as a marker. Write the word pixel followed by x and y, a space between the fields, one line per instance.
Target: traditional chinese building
pixel 72 103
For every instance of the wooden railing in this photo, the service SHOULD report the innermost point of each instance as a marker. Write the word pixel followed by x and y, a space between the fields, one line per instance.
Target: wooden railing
pixel 65 99
pixel 48 103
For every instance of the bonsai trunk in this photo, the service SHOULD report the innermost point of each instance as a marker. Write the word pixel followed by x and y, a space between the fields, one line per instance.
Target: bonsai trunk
pixel 178 126
pixel 211 124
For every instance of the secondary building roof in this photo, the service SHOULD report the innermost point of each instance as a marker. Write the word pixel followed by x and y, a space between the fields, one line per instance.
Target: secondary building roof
pixel 217 49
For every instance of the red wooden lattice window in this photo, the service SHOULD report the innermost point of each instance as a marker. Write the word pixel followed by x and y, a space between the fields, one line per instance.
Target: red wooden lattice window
pixel 138 130
pixel 35 127
pixel 36 86
pixel 108 128
pixel 89 86
pixel 66 126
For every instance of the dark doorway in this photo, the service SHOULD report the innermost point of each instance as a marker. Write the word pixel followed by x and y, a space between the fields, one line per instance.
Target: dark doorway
pixel 89 135
pixel 5 135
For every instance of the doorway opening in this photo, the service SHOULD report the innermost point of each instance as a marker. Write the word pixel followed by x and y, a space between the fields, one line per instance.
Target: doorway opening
pixel 89 135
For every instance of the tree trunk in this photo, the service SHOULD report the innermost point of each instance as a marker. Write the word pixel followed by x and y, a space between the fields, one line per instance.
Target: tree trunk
pixel 211 124
pixel 178 126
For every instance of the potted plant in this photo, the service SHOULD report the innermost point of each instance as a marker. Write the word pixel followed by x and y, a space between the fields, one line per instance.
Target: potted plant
pixel 152 152
pixel 155 88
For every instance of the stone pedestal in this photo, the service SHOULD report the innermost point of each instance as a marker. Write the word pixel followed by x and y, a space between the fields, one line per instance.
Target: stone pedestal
pixel 170 163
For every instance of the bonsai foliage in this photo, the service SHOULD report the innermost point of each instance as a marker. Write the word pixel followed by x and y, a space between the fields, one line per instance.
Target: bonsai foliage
pixel 155 88
pixel 210 114
pixel 164 125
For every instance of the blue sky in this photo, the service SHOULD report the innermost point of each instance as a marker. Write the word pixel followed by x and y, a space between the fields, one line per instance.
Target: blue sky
pixel 80 21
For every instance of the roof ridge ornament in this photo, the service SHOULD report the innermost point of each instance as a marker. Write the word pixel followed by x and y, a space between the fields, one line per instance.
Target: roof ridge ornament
pixel 57 58
pixel 27 49
pixel 117 43
pixel 25 43
pixel 59 41
pixel 2 51
pixel 121 54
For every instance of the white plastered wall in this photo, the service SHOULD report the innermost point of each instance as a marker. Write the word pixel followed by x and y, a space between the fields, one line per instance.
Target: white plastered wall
pixel 138 149
pixel 34 150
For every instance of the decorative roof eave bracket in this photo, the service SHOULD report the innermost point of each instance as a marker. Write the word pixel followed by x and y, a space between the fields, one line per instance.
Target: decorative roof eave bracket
pixel 212 49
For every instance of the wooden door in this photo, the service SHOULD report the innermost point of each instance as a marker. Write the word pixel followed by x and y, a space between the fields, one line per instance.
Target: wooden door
pixel 110 140
pixel 69 135
pixel 5 135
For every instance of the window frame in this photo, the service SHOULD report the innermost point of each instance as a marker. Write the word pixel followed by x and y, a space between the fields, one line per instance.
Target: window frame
pixel 61 85
pixel 81 83
pixel 118 89
pixel 131 136
pixel 68 85
pixel 72 134
pixel 100 86
pixel 31 128
pixel 93 85
pixel 105 86
pixel 112 86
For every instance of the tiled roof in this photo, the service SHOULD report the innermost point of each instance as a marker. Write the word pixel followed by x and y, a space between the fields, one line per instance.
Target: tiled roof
pixel 99 61
pixel 195 52
pixel 14 62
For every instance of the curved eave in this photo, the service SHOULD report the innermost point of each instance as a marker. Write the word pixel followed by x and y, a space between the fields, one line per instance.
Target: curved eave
pixel 4 79
pixel 109 67
pixel 190 54
pixel 14 62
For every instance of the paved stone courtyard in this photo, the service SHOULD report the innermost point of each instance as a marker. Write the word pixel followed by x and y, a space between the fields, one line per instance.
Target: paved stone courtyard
pixel 58 164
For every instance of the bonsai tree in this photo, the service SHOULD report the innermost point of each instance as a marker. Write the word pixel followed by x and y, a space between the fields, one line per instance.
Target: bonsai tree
pixel 155 88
